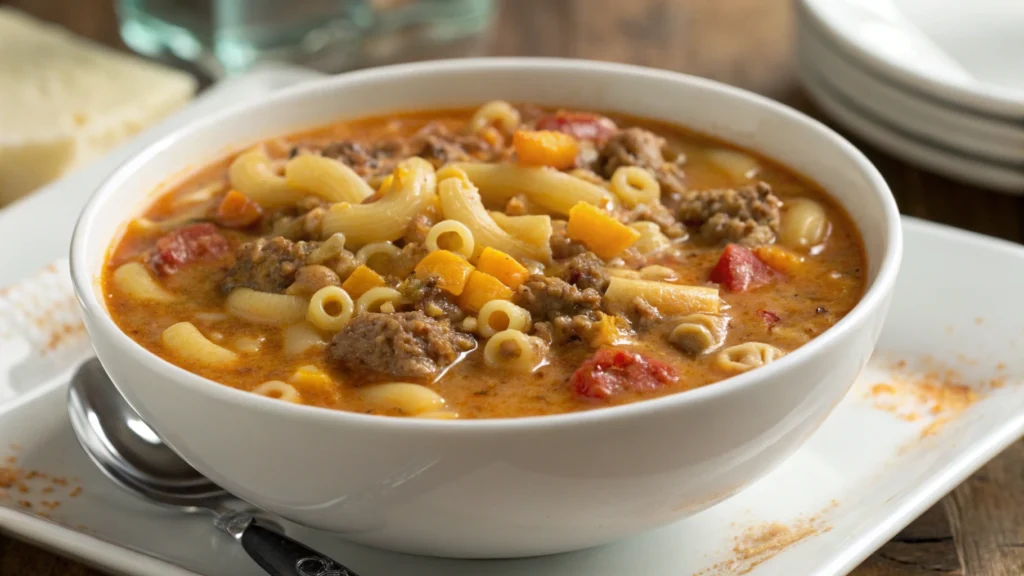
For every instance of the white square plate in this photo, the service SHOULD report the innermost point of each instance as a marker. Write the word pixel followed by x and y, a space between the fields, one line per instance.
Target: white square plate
pixel 867 472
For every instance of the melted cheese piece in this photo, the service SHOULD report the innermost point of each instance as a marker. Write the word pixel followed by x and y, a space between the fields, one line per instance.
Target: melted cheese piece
pixel 65 101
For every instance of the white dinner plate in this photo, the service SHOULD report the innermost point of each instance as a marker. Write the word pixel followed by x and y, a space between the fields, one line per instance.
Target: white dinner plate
pixel 875 464
pixel 968 134
pixel 961 54
pixel 900 143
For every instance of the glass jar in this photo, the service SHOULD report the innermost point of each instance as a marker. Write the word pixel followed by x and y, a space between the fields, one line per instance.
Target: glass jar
pixel 225 37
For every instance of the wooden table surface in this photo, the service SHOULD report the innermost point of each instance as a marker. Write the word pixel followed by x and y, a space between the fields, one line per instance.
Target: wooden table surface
pixel 978 530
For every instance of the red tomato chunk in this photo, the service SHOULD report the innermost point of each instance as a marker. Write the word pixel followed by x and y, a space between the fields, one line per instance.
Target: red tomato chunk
pixel 581 125
pixel 739 270
pixel 186 245
pixel 611 371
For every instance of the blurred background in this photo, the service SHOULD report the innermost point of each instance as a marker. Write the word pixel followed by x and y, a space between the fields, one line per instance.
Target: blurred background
pixel 931 90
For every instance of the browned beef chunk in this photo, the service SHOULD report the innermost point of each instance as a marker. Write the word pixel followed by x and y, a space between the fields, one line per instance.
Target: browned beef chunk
pixel 585 328
pixel 643 148
pixel 748 215
pixel 267 264
pixel 427 297
pixel 401 346
pixel 632 147
pixel 586 271
pixel 299 222
pixel 547 298
pixel 369 160
pixel 658 214
pixel 419 226
pixel 561 245
pixel 402 265
pixel 434 142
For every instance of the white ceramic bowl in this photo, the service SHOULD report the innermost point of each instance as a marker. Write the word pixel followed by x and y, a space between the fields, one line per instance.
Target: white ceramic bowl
pixel 509 487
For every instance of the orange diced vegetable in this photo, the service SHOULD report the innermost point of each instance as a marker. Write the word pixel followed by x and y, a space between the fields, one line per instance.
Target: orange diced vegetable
pixel 361 280
pixel 607 333
pixel 452 270
pixel 780 259
pixel 481 289
pixel 503 267
pixel 602 234
pixel 545 148
pixel 236 210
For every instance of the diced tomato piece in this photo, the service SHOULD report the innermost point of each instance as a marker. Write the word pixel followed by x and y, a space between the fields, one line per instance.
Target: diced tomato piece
pixel 582 125
pixel 236 210
pixel 186 245
pixel 611 371
pixel 739 270
pixel 770 318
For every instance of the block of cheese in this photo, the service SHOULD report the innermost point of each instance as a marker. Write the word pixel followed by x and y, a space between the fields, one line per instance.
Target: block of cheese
pixel 65 100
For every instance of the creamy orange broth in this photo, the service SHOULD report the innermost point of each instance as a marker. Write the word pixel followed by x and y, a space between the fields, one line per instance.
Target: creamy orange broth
pixel 786 313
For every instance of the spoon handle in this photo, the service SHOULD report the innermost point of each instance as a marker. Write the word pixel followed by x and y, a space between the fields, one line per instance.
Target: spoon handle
pixel 281 556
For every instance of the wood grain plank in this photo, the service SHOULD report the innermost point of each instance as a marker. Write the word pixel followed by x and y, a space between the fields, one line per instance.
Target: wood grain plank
pixel 985 514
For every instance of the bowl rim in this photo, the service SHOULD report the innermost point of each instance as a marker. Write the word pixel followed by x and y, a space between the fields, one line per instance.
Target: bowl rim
pixel 874 297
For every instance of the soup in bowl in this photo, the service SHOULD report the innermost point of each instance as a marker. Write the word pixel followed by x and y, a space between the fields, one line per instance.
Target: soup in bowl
pixel 544 304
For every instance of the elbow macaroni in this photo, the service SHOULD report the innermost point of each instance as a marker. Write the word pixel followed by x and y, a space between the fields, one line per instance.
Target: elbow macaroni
pixel 461 201
pixel 415 185
pixel 747 356
pixel 515 351
pixel 804 224
pixel 495 112
pixel 669 299
pixel 185 341
pixel 327 178
pixel 548 188
pixel 375 298
pixel 465 244
pixel 266 308
pixel 134 280
pixel 409 399
pixel 378 256
pixel 498 315
pixel 279 391
pixel 330 296
pixel 634 185
pixel 300 338
pixel 252 174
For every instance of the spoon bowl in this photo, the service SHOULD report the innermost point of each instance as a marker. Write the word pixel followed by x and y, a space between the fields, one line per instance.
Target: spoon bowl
pixel 135 458
pixel 127 450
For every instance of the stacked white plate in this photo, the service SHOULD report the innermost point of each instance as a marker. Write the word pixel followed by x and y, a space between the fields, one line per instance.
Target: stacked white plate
pixel 938 83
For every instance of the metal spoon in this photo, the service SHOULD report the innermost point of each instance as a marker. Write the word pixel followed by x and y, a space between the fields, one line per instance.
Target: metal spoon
pixel 132 455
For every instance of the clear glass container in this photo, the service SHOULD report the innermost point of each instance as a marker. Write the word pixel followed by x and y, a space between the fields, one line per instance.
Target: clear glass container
pixel 224 37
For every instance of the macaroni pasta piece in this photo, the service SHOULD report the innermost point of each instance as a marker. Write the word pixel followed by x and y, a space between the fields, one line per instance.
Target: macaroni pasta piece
pixel 378 256
pixel 252 174
pixel 804 224
pixel 495 112
pixel 409 399
pixel 134 280
pixel 743 357
pixel 266 308
pixel 464 245
pixel 300 338
pixel 340 304
pixel 279 391
pixel 669 299
pixel 376 298
pixel 388 218
pixel 185 341
pixel 461 201
pixel 552 190
pixel 327 178
pixel 634 185
pixel 699 333
pixel 329 249
pixel 498 315
pixel 534 229
pixel 512 350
